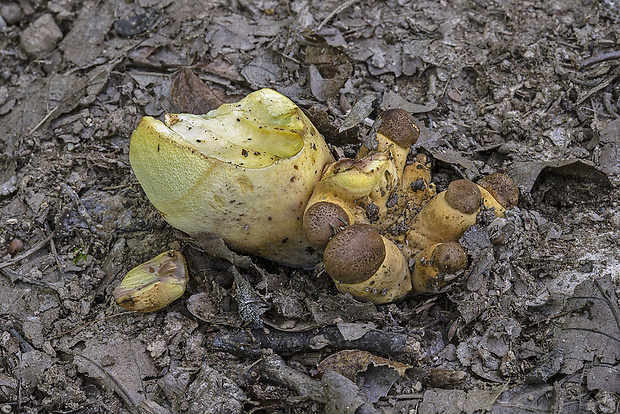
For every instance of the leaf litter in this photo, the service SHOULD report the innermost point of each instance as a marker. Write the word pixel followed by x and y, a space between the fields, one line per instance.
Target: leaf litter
pixel 533 323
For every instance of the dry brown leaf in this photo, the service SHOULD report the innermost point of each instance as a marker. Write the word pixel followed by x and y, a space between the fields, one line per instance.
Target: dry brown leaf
pixel 349 362
pixel 191 95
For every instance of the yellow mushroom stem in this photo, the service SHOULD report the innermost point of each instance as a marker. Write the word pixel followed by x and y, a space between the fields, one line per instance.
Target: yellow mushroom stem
pixel 355 184
pixel 366 265
pixel 396 132
pixel 416 181
pixel 434 264
pixel 445 217
pixel 499 192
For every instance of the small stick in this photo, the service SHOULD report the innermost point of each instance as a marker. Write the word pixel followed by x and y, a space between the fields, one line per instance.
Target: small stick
pixel 336 11
pixel 601 57
pixel 249 343
pixel 276 370
pixel 21 257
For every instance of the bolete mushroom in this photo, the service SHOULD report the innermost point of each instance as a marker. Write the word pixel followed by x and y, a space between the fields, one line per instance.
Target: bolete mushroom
pixel 259 175
pixel 154 284
pixel 243 172
pixel 367 265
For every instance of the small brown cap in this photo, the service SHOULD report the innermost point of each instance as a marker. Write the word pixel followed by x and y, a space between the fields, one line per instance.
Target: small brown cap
pixel 502 188
pixel 354 254
pixel 320 221
pixel 15 247
pixel 464 196
pixel 449 257
pixel 399 126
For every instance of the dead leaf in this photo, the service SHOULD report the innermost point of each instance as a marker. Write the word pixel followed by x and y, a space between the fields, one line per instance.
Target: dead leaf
pixel 207 306
pixel 136 24
pixel 84 42
pixel 191 95
pixel 464 165
pixel 360 111
pixel 343 396
pixel 354 331
pixel 263 71
pixel 392 100
pixel 221 67
pixel 213 392
pixel 592 331
pixel 350 362
pixel 524 399
pixel 330 67
pixel 119 365
pixel 214 246
pixel 321 117
pixel 525 174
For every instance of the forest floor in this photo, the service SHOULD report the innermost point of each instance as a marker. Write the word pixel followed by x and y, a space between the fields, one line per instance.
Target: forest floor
pixel 529 88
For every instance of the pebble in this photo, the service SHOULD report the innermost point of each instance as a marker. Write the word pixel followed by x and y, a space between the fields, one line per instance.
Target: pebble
pixel 41 37
pixel 4 94
pixel 15 247
pixel 11 13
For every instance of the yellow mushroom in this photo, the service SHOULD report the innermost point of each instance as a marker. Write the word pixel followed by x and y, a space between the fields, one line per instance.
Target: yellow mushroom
pixel 499 192
pixel 396 131
pixel 154 284
pixel 445 217
pixel 355 184
pixel 434 263
pixel 367 265
pixel 244 172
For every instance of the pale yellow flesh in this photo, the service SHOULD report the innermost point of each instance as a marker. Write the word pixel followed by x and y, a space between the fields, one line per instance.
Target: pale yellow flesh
pixel 255 210
pixel 153 284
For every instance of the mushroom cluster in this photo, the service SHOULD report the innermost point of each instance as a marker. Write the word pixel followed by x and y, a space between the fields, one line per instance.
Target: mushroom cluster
pixel 259 175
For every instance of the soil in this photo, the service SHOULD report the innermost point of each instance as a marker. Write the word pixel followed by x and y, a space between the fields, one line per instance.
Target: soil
pixel 529 88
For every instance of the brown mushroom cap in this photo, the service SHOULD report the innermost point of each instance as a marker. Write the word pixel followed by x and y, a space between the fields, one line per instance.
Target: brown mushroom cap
pixel 502 188
pixel 464 196
pixel 354 254
pixel 320 221
pixel 399 126
pixel 449 257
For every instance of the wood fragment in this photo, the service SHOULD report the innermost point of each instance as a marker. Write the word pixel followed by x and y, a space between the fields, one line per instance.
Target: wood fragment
pixel 34 249
pixel 336 11
pixel 605 83
pixel 602 57
pixel 274 369
pixel 249 343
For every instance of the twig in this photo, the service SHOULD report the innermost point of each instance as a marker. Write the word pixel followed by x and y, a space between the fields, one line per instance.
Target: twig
pixel 336 11
pixel 605 83
pixel 55 254
pixel 602 57
pixel 274 369
pixel 35 248
pixel 249 343
pixel 113 383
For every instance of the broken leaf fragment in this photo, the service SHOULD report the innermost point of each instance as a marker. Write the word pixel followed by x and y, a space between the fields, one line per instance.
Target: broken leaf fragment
pixel 153 285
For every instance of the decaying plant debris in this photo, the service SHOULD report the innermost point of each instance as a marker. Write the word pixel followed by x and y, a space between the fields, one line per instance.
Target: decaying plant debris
pixel 527 88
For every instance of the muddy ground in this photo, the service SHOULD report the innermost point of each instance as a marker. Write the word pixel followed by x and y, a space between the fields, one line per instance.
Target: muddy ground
pixel 522 87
